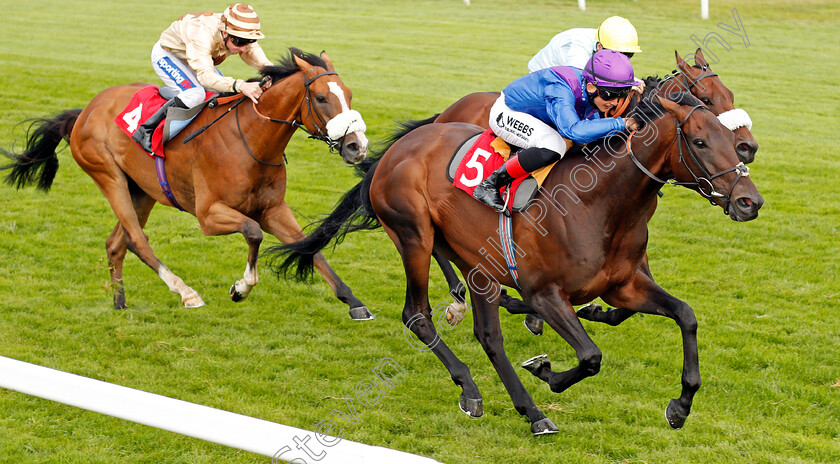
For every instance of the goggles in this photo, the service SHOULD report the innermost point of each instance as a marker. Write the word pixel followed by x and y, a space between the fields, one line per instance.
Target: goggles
pixel 240 42
pixel 611 94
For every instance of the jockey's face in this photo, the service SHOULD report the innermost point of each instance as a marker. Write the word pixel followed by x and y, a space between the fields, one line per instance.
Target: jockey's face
pixel 232 44
pixel 597 100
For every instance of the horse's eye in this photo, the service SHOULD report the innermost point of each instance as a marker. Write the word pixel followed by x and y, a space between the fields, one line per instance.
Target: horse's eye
pixel 706 101
pixel 320 99
pixel 699 143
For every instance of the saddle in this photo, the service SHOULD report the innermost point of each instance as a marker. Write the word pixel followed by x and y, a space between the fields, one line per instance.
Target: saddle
pixel 146 102
pixel 481 154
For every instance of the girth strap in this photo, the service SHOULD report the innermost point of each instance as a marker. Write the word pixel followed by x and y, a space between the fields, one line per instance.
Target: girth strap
pixel 508 247
pixel 164 184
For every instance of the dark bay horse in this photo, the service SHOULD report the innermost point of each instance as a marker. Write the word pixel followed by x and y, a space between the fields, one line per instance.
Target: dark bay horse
pixel 587 240
pixel 232 177
pixel 699 79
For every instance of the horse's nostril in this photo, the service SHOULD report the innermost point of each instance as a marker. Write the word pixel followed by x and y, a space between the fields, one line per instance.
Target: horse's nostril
pixel 746 204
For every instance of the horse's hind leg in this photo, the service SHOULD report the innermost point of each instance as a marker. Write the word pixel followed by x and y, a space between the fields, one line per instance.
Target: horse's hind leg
pixel 489 334
pixel 456 310
pixel 113 183
pixel 116 244
pixel 280 222
pixel 414 241
pixel 561 317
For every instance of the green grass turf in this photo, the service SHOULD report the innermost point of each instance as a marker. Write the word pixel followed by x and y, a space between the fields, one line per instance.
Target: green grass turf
pixel 765 292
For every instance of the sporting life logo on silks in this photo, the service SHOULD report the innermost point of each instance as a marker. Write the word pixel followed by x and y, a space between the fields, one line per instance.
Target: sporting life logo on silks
pixel 175 73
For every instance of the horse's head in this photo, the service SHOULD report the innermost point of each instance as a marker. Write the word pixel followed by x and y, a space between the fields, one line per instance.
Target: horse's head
pixel 321 104
pixel 704 84
pixel 327 110
pixel 703 158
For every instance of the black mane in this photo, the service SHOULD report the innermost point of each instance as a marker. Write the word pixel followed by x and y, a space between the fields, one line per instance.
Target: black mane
pixel 645 110
pixel 287 66
pixel 648 109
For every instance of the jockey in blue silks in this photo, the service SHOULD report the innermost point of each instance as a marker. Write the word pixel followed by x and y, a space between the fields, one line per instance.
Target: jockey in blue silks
pixel 537 111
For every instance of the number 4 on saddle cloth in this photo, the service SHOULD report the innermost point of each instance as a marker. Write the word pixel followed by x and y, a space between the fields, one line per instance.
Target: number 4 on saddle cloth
pixel 145 103
pixel 482 154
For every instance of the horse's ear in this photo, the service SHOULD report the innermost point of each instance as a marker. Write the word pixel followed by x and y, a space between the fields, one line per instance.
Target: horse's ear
pixel 327 61
pixel 681 64
pixel 673 107
pixel 699 59
pixel 301 63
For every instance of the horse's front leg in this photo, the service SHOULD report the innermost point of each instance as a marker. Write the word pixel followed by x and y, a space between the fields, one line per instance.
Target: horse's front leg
pixel 221 219
pixel 643 295
pixel 280 222
pixel 612 316
pixel 556 310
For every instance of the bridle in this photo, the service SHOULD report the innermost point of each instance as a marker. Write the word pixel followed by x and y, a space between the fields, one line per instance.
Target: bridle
pixel 320 133
pixel 703 182
pixel 689 84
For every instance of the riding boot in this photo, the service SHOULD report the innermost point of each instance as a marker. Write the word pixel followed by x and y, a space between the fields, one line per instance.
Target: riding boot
pixel 143 134
pixel 487 191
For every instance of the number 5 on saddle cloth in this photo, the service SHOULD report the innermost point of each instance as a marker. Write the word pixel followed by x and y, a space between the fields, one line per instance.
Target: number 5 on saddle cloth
pixel 482 154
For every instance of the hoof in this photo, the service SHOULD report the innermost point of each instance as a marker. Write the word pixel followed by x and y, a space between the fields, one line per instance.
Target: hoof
pixel 471 407
pixel 534 324
pixel 119 304
pixel 234 295
pixel 675 418
pixel 459 293
pixel 588 312
pixel 455 313
pixel 361 313
pixel 535 364
pixel 543 427
pixel 192 301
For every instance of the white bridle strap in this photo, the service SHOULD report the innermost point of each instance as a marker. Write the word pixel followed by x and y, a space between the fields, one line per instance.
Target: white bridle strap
pixel 736 118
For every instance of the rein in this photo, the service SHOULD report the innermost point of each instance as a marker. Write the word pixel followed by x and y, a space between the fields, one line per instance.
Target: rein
pixel 333 144
pixel 702 183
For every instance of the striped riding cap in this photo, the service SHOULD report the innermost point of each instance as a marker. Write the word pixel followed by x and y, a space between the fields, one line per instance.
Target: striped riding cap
pixel 242 21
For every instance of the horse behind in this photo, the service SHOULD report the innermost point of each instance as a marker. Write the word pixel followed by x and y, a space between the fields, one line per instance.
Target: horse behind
pixel 584 236
pixel 699 79
pixel 232 177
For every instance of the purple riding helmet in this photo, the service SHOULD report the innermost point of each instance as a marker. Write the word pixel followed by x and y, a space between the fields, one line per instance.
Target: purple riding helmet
pixel 609 68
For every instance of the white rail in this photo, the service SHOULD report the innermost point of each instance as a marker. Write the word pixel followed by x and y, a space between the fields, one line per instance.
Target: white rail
pixel 193 420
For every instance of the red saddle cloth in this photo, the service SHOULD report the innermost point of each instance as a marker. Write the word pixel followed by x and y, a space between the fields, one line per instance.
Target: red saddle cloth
pixel 143 105
pixel 479 162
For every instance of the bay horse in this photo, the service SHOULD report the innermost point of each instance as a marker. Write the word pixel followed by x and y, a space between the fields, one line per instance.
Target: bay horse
pixel 232 177
pixel 699 79
pixel 587 242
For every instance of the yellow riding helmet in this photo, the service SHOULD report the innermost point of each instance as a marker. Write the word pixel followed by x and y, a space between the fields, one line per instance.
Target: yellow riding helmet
pixel 616 33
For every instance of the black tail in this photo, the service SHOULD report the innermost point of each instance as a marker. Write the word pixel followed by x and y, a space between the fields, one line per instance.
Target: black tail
pixel 39 162
pixel 353 212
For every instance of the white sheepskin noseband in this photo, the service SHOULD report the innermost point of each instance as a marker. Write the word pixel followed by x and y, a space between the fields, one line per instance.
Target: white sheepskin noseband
pixel 736 118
